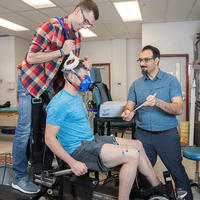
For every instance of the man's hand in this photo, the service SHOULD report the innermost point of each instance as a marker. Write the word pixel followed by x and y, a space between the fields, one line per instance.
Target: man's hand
pixel 87 63
pixel 79 168
pixel 151 101
pixel 68 46
pixel 127 115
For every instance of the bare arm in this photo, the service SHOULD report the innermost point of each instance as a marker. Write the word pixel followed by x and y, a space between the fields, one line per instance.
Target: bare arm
pixel 175 107
pixel 129 106
pixel 128 113
pixel 41 57
pixel 78 168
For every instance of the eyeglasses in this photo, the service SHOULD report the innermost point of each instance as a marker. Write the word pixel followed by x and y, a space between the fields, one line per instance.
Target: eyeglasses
pixel 145 60
pixel 86 21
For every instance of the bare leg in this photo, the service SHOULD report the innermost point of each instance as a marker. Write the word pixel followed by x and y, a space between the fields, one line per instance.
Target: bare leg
pixel 144 165
pixel 112 156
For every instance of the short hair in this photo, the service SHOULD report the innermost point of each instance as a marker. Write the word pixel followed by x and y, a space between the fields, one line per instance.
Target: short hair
pixel 155 51
pixel 89 5
pixel 77 68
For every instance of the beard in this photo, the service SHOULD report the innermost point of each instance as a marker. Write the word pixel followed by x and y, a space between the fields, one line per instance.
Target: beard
pixel 144 70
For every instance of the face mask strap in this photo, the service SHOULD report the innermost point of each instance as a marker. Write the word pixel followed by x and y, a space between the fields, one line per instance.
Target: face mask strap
pixel 78 88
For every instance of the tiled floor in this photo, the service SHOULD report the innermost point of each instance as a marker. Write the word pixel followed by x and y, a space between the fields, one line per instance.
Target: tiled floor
pixel 6 147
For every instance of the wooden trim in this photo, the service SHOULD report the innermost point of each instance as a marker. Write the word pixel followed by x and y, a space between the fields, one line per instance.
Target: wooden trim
pixel 8 114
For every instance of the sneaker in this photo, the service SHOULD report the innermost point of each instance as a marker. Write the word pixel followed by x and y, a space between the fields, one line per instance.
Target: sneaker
pixel 25 185
pixel 180 193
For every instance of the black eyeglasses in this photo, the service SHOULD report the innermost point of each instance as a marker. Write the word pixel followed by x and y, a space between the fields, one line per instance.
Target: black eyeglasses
pixel 86 21
pixel 145 60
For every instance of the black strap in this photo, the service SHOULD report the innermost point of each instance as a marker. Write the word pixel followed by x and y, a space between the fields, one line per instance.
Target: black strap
pixel 38 122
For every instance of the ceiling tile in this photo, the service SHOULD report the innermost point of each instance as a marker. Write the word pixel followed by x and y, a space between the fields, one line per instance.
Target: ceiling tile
pixel 34 16
pixel 4 10
pixel 15 5
pixel 153 10
pixel 20 20
pixel 117 29
pixel 195 12
pixel 109 25
pixel 134 27
pixel 101 31
pixel 175 11
pixel 62 3
pixel 53 12
pixel 68 9
pixel 108 13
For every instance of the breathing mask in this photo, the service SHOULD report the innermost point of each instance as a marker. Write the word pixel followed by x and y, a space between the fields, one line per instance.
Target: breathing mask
pixel 86 83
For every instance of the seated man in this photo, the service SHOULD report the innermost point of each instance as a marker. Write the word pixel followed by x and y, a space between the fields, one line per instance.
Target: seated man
pixel 69 136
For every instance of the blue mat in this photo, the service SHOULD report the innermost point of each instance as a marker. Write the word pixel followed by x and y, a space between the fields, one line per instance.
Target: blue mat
pixel 9 109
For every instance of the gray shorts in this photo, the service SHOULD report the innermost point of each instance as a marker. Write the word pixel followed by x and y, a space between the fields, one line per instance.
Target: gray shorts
pixel 89 152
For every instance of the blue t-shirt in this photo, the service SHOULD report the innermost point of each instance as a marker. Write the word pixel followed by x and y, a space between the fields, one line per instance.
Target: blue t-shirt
pixel 69 112
pixel 153 118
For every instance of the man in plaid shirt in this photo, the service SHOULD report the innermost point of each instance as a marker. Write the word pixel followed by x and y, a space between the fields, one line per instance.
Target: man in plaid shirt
pixel 39 71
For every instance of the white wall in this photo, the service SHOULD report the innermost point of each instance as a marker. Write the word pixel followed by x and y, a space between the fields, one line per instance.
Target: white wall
pixel 12 51
pixel 171 37
pixel 7 69
pixel 122 55
pixel 21 48
pixel 119 70
pixel 134 47
pixel 97 51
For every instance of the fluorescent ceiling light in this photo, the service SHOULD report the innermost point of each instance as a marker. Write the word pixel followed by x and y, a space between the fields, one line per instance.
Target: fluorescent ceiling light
pixel 39 3
pixel 128 10
pixel 87 33
pixel 11 25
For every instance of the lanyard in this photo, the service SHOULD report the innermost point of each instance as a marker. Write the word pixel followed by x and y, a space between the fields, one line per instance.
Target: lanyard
pixel 66 35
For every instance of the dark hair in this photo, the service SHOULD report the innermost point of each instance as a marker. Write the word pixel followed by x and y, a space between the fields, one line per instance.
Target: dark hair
pixel 79 66
pixel 89 5
pixel 155 51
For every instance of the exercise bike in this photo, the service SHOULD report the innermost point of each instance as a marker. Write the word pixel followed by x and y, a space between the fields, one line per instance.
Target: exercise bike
pixel 61 184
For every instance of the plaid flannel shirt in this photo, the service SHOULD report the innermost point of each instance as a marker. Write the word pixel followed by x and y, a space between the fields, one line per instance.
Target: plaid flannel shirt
pixel 49 36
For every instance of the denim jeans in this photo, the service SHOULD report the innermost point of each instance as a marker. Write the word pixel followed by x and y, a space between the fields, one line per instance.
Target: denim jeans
pixel 22 132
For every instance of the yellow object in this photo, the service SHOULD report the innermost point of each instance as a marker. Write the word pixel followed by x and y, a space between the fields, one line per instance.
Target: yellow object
pixel 184 131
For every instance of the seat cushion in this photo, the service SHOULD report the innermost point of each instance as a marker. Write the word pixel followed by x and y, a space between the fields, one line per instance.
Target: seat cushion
pixel 192 153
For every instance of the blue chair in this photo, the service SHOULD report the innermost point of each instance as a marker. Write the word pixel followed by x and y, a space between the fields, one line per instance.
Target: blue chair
pixel 193 153
pixel 102 94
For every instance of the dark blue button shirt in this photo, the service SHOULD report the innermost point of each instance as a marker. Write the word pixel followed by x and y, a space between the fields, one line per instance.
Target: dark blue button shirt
pixel 153 118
